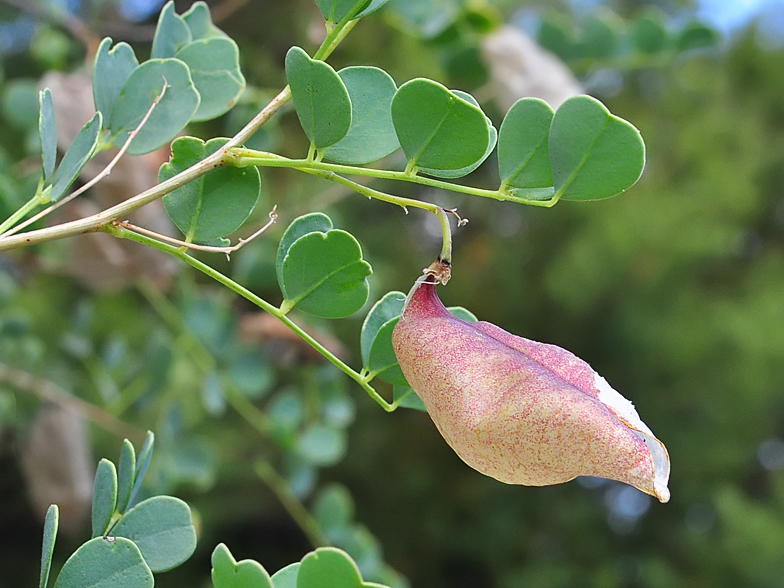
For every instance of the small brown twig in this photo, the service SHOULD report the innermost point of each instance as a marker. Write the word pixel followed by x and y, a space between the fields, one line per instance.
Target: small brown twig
pixel 461 222
pixel 228 250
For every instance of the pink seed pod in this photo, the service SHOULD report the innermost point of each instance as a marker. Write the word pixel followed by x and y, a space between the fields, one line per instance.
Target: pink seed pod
pixel 520 411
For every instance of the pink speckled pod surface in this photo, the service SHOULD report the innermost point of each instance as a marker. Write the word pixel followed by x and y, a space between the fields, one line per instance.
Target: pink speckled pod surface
pixel 520 411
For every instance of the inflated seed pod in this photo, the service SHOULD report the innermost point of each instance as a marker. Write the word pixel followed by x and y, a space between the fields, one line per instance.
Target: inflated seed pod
pixel 520 411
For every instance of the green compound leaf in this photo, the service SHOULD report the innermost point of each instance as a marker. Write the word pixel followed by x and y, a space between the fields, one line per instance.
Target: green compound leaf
pixel 142 463
pixel 199 21
pixel 215 69
pixel 106 562
pixel 333 507
pixel 125 475
pixel 112 69
pixel 322 446
pixel 171 34
pixel 47 131
pixel 51 523
pixel 328 567
pixel 407 398
pixel 163 530
pixel 299 227
pixel 217 203
pixel 523 149
pixel 324 274
pixel 320 98
pixel 227 572
pixel 78 154
pixel 286 577
pixel 436 128
pixel 593 153
pixel 104 496
pixel 371 135
pixel 169 116
pixel 390 306
pixel 459 173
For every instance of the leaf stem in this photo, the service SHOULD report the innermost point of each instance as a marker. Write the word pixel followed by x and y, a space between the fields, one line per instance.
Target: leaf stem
pixel 122 232
pixel 229 249
pixel 31 204
pixel 291 503
pixel 241 157
pixel 446 234
pixel 256 418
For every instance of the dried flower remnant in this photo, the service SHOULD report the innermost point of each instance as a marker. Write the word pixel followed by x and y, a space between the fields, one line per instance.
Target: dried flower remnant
pixel 520 411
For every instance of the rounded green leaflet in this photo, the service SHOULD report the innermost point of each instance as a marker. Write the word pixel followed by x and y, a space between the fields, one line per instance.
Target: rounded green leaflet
pixel 696 36
pixel 371 135
pixel 324 274
pixel 428 19
pixel 407 398
pixel 142 464
pixel 523 145
pixel 593 153
pixel 51 524
pixel 104 496
pixel 320 98
pixel 329 567
pixel 213 395
pixel 286 577
pixel 112 69
pixel 436 128
pixel 299 227
pixel 322 446
pixel 215 70
pixel 647 33
pixel 163 530
pixel 171 34
pixel 229 573
pixel 463 314
pixel 47 131
pixel 382 360
pixel 77 156
pixel 217 203
pixel 125 475
pixel 459 173
pixel 336 10
pixel 199 21
pixel 390 306
pixel 106 562
pixel 251 373
pixel 333 507
pixel 371 7
pixel 19 103
pixel 599 35
pixel 169 116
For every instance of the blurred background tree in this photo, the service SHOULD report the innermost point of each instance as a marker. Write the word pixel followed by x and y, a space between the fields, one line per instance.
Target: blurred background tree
pixel 673 291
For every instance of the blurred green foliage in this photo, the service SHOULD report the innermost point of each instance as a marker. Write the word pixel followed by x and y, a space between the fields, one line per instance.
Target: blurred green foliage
pixel 673 291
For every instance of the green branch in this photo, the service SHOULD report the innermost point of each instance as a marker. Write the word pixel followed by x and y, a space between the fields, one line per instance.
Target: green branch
pixel 181 254
pixel 241 157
